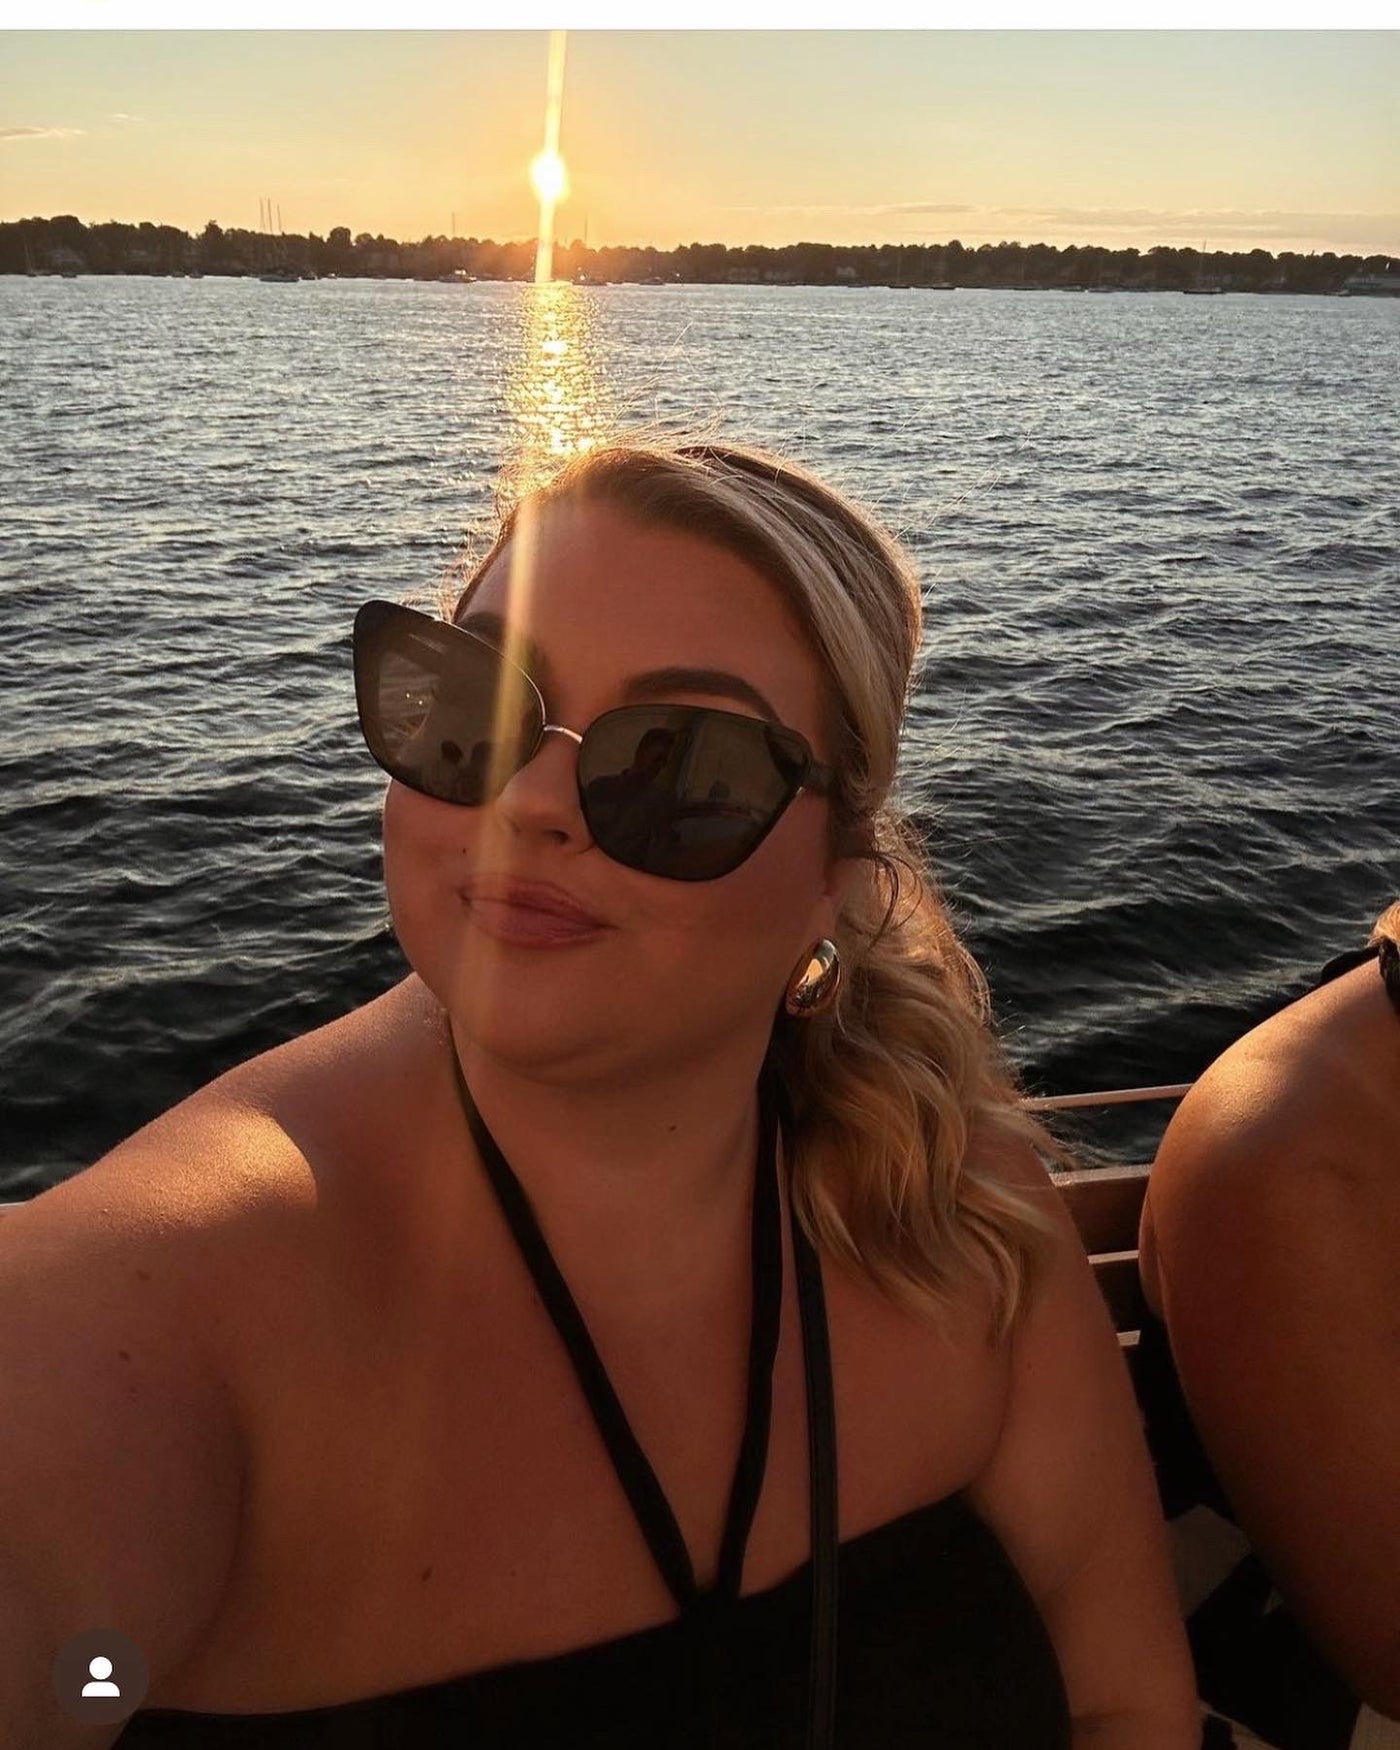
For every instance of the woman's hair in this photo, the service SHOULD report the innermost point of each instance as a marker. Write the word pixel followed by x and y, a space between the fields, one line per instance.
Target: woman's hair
pixel 1386 926
pixel 891 1084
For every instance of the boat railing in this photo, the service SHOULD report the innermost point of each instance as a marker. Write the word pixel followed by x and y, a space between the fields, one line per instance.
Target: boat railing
pixel 1105 1204
pixel 1108 1097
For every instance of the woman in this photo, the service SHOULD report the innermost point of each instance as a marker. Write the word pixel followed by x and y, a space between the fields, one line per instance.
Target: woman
pixel 685 1139
pixel 1269 1244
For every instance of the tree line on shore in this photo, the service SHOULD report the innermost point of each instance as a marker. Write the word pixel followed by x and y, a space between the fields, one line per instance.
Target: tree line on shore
pixel 66 245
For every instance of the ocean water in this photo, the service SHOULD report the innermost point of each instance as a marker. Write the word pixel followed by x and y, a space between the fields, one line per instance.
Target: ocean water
pixel 1153 742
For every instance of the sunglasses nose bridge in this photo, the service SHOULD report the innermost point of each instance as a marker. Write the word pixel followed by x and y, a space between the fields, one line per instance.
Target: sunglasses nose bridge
pixel 540 800
pixel 568 734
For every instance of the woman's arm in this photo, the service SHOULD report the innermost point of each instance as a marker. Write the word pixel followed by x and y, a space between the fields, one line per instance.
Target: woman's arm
pixel 1070 1493
pixel 1275 1217
pixel 121 1457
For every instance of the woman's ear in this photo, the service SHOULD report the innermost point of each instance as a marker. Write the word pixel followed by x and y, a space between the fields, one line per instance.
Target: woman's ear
pixel 841 874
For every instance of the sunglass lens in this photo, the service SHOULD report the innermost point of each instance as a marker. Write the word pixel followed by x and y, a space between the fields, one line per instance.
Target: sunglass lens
pixel 441 711
pixel 680 792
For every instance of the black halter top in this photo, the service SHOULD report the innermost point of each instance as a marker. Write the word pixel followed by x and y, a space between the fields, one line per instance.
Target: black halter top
pixel 917 1633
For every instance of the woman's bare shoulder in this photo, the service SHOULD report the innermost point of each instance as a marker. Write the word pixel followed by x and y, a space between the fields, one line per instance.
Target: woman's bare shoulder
pixel 1308 1096
pixel 147 1304
pixel 343 1068
pixel 1286 1137
pixel 257 1141
pixel 230 1218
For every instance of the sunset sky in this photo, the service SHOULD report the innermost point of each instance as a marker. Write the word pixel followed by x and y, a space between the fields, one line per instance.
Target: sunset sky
pixel 1283 139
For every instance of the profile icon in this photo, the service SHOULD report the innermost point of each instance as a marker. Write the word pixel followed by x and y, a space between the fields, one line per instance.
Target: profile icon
pixel 100 1676
pixel 100 1672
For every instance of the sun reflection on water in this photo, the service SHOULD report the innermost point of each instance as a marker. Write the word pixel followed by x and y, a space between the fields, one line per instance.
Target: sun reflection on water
pixel 555 391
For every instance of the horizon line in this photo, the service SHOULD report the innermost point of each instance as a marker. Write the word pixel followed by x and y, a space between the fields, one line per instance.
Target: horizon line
pixel 528 241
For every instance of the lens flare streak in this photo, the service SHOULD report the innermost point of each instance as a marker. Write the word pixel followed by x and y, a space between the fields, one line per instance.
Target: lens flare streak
pixel 547 172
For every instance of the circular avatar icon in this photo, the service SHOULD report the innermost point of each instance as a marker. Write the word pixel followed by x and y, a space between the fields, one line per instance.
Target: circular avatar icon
pixel 100 1676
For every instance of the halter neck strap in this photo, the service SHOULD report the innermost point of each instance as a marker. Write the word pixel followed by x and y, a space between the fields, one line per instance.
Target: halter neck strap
pixel 634 1471
pixel 639 1481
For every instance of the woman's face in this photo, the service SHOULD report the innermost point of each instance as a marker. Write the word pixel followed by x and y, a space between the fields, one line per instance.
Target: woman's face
pixel 676 968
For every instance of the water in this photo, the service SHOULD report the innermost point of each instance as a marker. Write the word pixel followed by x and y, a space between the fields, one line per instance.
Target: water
pixel 1154 738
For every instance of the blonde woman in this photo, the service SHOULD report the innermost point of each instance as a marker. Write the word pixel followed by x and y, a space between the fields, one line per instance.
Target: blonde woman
pixel 1270 1241
pixel 649 1324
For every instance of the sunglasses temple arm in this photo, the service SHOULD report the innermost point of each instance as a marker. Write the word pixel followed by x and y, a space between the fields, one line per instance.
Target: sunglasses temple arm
pixel 821 779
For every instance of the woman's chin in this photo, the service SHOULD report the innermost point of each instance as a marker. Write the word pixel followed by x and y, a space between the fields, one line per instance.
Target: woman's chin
pixel 532 1032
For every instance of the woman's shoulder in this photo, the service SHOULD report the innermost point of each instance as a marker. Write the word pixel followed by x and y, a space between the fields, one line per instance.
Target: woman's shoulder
pixel 1301 1107
pixel 266 1150
pixel 330 1080
pixel 300 1188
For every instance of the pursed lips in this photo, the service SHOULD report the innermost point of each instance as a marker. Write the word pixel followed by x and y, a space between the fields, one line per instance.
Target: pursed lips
pixel 528 912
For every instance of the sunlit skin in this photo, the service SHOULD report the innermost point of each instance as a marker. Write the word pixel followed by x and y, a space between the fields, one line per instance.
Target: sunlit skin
pixel 614 1048
pixel 1269 1240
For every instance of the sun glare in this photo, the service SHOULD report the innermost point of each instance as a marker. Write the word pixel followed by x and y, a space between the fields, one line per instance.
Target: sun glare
pixel 550 179
pixel 547 171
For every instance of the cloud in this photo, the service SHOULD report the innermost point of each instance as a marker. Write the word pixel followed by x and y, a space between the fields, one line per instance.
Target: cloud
pixel 857 212
pixel 1262 223
pixel 120 115
pixel 1217 225
pixel 929 207
pixel 39 133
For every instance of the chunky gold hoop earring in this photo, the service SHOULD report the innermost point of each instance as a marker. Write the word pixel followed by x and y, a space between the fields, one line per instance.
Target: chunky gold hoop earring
pixel 814 985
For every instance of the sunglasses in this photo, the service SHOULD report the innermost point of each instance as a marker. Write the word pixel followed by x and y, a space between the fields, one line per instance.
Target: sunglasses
pixel 680 791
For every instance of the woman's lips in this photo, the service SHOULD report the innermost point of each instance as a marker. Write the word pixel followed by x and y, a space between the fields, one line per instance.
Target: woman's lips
pixel 525 926
pixel 528 915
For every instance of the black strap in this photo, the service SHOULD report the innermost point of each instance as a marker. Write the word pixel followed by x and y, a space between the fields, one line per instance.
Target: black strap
pixel 1346 961
pixel 639 1481
pixel 1384 950
pixel 1389 955
pixel 764 1331
pixel 821 1451
pixel 634 1471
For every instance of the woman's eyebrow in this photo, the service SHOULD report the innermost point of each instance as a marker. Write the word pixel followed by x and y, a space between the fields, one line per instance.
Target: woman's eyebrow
pixel 714 683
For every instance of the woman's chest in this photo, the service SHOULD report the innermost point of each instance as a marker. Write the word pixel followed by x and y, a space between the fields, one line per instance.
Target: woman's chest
pixel 428 1492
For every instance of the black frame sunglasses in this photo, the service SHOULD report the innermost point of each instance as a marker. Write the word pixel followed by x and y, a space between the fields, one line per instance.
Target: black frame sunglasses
pixel 686 792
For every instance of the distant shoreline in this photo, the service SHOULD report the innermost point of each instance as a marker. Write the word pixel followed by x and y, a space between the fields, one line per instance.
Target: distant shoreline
pixel 65 246
pixel 752 285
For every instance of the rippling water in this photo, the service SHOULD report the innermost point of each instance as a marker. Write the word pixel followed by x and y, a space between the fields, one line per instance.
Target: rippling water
pixel 1154 739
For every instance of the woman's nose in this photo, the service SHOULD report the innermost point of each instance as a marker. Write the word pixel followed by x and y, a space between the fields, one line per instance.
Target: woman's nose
pixel 542 797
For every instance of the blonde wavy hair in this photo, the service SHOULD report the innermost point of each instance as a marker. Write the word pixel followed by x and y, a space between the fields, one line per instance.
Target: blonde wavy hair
pixel 890 1085
pixel 1386 926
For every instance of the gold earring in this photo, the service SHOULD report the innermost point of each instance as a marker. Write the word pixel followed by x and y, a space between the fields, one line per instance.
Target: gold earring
pixel 814 985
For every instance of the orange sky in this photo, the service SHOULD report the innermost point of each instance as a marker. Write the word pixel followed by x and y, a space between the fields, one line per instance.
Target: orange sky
pixel 1278 139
